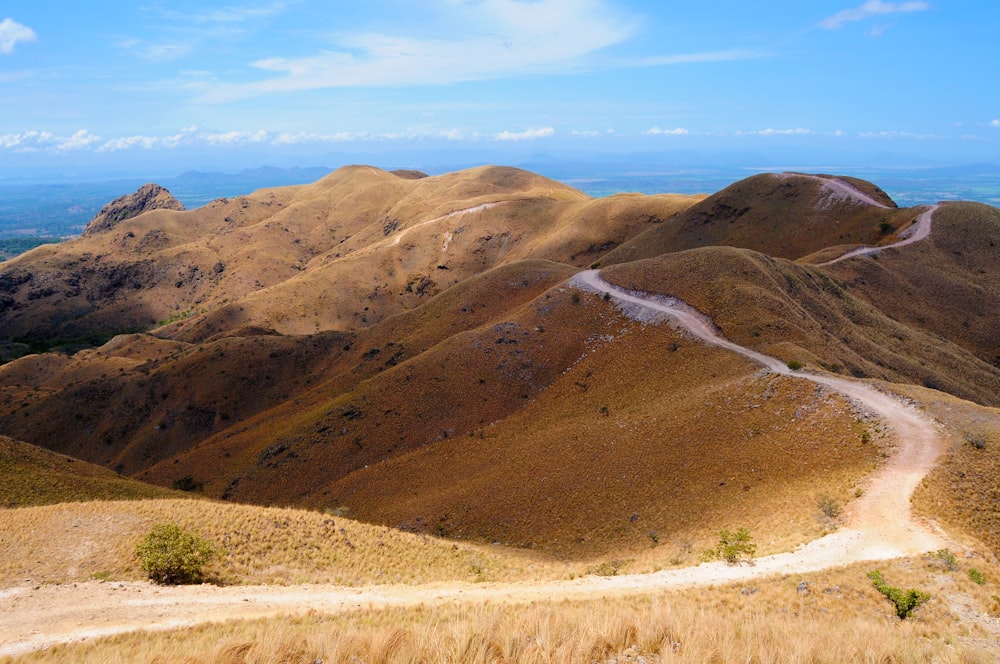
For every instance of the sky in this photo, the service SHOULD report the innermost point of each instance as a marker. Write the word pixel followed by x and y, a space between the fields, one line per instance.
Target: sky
pixel 149 84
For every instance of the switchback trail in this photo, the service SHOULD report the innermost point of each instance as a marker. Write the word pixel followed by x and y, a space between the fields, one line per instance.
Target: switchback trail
pixel 879 526
pixel 920 230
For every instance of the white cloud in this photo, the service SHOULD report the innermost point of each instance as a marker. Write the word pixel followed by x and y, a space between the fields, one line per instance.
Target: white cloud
pixel 12 32
pixel 231 14
pixel 287 138
pixel 28 141
pixel 194 136
pixel 528 135
pixel 656 131
pixel 490 39
pixel 798 131
pixel 79 141
pixel 872 8
pixel 995 123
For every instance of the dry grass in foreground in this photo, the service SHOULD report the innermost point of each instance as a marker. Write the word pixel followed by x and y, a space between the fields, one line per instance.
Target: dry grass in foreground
pixel 97 540
pixel 834 616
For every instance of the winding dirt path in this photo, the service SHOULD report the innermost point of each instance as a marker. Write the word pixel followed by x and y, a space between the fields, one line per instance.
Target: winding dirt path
pixel 879 526
pixel 920 230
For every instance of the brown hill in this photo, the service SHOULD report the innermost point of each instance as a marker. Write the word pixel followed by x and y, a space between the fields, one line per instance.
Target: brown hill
pixel 34 476
pixel 148 197
pixel 408 350
pixel 948 285
pixel 786 215
pixel 387 241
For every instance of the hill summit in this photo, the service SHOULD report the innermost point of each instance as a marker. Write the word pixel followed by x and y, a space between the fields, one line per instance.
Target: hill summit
pixel 147 197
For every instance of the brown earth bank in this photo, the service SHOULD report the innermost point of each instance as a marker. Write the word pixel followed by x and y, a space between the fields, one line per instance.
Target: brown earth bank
pixel 408 351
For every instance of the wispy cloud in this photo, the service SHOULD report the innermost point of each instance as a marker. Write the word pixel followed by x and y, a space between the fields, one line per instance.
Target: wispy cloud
pixel 798 131
pixel 995 123
pixel 729 55
pixel 231 14
pixel 900 134
pixel 656 131
pixel 872 8
pixel 527 135
pixel 492 39
pixel 12 32
pixel 155 52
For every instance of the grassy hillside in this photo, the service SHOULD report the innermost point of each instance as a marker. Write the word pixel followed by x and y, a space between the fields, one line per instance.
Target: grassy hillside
pixel 813 316
pixel 408 351
pixel 948 285
pixel 34 476
pixel 783 215
pixel 78 541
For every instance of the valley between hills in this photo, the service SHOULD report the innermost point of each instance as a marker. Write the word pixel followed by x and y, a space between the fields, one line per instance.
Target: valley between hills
pixel 514 393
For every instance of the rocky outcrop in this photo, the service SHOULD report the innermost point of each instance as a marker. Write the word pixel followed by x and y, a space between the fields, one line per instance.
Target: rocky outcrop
pixel 147 197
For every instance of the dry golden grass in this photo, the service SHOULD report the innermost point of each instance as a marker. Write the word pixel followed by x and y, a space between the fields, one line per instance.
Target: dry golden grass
pixel 649 439
pixel 834 616
pixel 788 216
pixel 33 476
pixel 803 313
pixel 78 541
pixel 962 491
pixel 948 284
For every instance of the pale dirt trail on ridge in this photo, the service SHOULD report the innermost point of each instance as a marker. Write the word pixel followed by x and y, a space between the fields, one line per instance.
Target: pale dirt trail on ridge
pixel 879 526
pixel 920 229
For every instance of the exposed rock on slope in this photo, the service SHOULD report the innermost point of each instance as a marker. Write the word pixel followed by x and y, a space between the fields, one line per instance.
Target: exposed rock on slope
pixel 147 197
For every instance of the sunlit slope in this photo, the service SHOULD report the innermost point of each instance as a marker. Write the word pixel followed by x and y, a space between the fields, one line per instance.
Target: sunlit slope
pixel 805 314
pixel 35 476
pixel 785 215
pixel 140 400
pixel 342 253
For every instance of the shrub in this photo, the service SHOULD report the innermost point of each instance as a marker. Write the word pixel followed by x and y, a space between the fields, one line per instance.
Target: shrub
pixel 905 603
pixel 610 567
pixel 171 555
pixel 794 365
pixel 735 547
pixel 977 440
pixel 187 483
pixel 945 558
pixel 829 506
pixel 977 576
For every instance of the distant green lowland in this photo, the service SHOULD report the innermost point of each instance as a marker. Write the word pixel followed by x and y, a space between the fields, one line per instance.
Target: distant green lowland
pixel 15 246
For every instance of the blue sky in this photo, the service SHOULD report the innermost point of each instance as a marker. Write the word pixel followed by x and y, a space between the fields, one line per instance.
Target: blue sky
pixel 172 85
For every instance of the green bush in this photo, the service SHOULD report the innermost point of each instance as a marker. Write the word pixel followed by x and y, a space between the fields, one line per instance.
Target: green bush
pixel 977 576
pixel 735 547
pixel 945 558
pixel 905 603
pixel 171 555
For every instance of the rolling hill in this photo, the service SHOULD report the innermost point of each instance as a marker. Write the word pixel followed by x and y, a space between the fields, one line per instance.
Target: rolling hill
pixel 408 350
